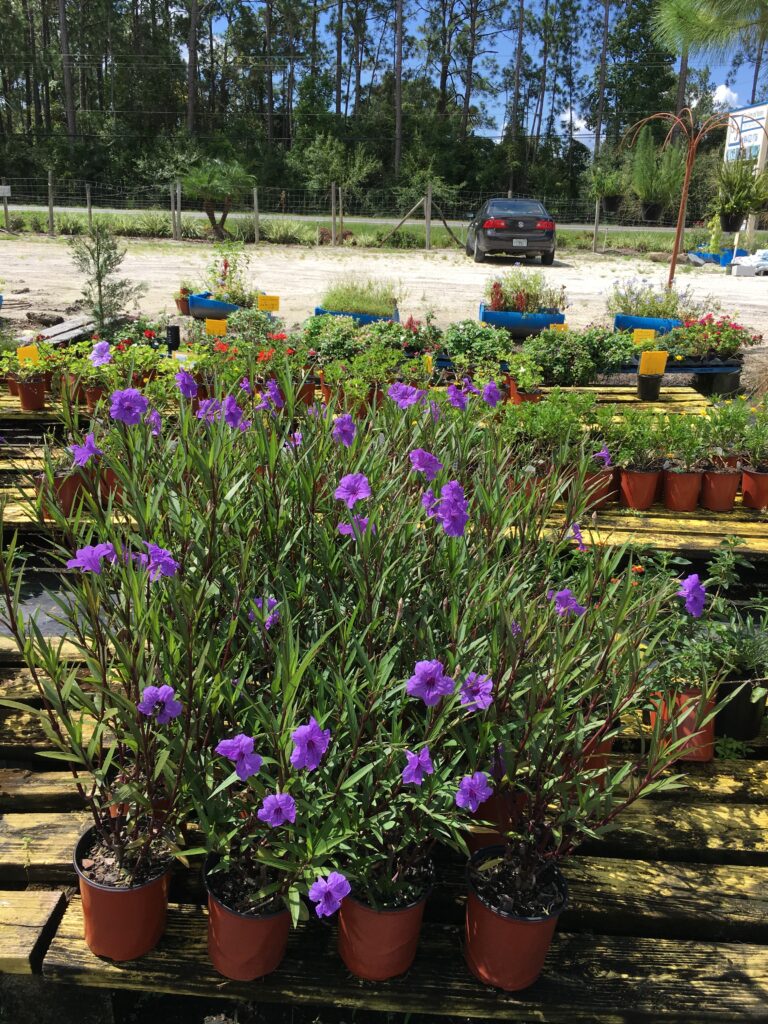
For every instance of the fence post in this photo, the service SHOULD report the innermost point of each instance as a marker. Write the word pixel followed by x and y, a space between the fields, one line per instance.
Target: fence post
pixel 51 223
pixel 172 191
pixel 178 210
pixel 597 225
pixel 333 213
pixel 428 218
pixel 256 216
pixel 89 206
pixel 341 217
pixel 6 214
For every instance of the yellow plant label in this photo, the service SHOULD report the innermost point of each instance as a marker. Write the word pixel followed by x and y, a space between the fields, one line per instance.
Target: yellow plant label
pixel 216 327
pixel 653 362
pixel 643 334
pixel 268 303
pixel 28 354
pixel 559 327
pixel 428 363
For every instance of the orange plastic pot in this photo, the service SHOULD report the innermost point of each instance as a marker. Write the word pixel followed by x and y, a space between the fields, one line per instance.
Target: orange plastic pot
pixel 600 488
pixel 700 741
pixel 502 950
pixel 65 488
pixel 121 924
pixel 754 487
pixel 244 947
pixel 305 393
pixel 183 306
pixel 681 491
pixel 74 388
pixel 110 484
pixel 32 394
pixel 517 397
pixel 718 491
pixel 13 385
pixel 503 812
pixel 597 753
pixel 638 488
pixel 378 944
pixel 93 396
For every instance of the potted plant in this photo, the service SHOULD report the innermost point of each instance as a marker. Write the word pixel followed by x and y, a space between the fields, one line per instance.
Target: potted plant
pixel 740 652
pixel 227 290
pixel 682 470
pixel 740 190
pixel 473 342
pixel 30 382
pixel 656 177
pixel 63 483
pixel 639 457
pixel 181 298
pixel 634 302
pixel 607 183
pixel 523 303
pixel 755 469
pixel 362 382
pixel 524 379
pixel 365 300
pixel 723 432
pixel 569 358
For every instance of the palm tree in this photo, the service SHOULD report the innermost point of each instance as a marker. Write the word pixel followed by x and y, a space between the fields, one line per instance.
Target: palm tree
pixel 217 182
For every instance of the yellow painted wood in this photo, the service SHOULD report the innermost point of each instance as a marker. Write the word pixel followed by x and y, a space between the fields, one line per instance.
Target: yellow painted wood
pixel 27 918
pixel 9 652
pixel 24 791
pixel 37 847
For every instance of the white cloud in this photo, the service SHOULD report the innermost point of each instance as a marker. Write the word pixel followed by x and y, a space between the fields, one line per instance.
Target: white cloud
pixel 579 124
pixel 724 96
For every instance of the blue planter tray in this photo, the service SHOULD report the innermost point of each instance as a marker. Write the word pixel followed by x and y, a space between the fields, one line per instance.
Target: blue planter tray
pixel 662 325
pixel 201 306
pixel 361 319
pixel 520 325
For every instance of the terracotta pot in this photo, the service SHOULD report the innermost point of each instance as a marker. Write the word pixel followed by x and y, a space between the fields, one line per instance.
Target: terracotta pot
pixel 503 810
pixel 638 488
pixel 183 306
pixel 754 487
pixel 93 396
pixel 245 946
pixel 109 484
pixel 65 487
pixel 74 388
pixel 48 378
pixel 32 394
pixel 597 753
pixel 718 491
pixel 13 385
pixel 502 950
pixel 681 491
pixel 600 487
pixel 700 742
pixel 305 393
pixel 121 924
pixel 517 397
pixel 336 396
pixel 378 944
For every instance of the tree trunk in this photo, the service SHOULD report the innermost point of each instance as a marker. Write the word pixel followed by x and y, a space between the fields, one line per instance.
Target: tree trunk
pixel 194 17
pixel 66 74
pixel 398 84
pixel 339 52
pixel 469 68
pixel 514 120
pixel 758 66
pixel 269 83
pixel 46 37
pixel 210 213
pixel 601 76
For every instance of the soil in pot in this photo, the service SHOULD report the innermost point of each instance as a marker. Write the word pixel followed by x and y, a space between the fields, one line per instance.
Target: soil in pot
pixel 508 936
pixel 741 718
pixel 379 944
pixel 718 490
pixel 32 394
pixel 681 490
pixel 122 921
pixel 754 487
pixel 638 487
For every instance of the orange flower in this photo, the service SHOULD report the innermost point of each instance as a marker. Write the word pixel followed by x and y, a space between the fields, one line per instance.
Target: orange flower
pixel 638 569
pixel 265 355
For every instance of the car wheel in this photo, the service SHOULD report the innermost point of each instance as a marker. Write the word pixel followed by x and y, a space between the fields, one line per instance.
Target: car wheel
pixel 548 258
pixel 478 253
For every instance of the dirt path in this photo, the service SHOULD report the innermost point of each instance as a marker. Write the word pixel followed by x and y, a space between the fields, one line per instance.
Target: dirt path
pixel 447 283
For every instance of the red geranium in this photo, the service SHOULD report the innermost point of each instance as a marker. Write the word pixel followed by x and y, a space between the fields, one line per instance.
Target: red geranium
pixel 149 334
pixel 265 355
pixel 278 336
pixel 220 346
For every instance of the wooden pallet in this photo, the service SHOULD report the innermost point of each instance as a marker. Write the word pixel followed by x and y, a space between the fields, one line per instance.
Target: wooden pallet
pixel 674 399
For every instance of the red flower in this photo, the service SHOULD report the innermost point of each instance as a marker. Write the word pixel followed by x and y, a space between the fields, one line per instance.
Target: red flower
pixel 265 355
pixel 279 336
pixel 221 346
pixel 291 351
pixel 149 334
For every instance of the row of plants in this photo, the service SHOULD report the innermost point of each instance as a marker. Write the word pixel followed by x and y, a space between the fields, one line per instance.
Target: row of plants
pixel 313 649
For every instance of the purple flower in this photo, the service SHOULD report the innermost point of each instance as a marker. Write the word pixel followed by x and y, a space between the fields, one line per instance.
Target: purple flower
pixel 160 562
pixel 273 397
pixel 604 455
pixel 328 893
pixel 417 767
pixel 452 509
pixel 294 440
pixel 272 615
pixel 155 422
pixel 578 537
pixel 233 414
pixel 429 682
pixel 353 488
pixel 405 395
pixel 473 791
pixel 430 502
pixel 457 397
pixel 469 387
pixel 277 809
pixel 426 463
pixel 491 394
pixel 89 558
pixel 239 750
pixel 695 595
pixel 159 701
pixel 245 385
pixel 361 522
pixel 434 410
pixel 311 742
pixel 209 410
pixel 515 628
pixel 100 354
pixel 344 430
pixel 477 692
pixel 187 384
pixel 565 602
pixel 83 452
pixel 128 406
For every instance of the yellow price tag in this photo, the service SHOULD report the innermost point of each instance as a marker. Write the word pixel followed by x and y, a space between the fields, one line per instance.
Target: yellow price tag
pixel 216 327
pixel 653 362
pixel 28 354
pixel 268 303
pixel 643 334
pixel 428 363
pixel 558 327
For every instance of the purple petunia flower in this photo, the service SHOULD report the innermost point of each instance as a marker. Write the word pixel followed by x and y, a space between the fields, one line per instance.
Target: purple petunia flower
pixel 429 682
pixel 160 562
pixel 492 394
pixel 361 522
pixel 695 595
pixel 344 430
pixel 477 691
pixel 328 893
pixel 239 750
pixel 311 742
pixel 405 395
pixel 470 388
pixel 458 398
pixel 100 354
pixel 294 440
pixel 604 455
pixel 565 602
pixel 578 537
pixel 209 410
pixel 426 463
pixel 84 452
pixel 154 421
pixel 233 414
pixel 277 809
pixel 473 791
pixel 160 702
pixel 187 384
pixel 272 615
pixel 352 488
pixel 417 767
pixel 128 406
pixel 452 509
pixel 89 558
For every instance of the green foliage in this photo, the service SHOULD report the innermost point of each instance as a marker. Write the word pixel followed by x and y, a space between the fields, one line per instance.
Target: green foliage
pixel 98 256
pixel 569 358
pixel 332 338
pixel 361 295
pixel 740 189
pixel 477 341
pixel 656 177
pixel 524 291
pixel 639 297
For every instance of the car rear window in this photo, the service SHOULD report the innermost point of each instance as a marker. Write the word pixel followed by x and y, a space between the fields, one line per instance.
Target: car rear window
pixel 515 208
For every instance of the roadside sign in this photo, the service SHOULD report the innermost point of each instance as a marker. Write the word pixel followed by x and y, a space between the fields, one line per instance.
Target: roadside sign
pixel 268 303
pixel 5 191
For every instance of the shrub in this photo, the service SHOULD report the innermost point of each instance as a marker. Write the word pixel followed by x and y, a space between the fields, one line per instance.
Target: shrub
pixel 477 341
pixel 578 357
pixel 361 295
pixel 287 232
pixel 332 338
pixel 70 224
pixel 193 229
pixel 38 222
pixel 99 257
pixel 154 225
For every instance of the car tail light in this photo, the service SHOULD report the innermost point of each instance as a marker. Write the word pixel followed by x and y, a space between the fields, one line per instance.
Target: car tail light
pixel 545 225
pixel 494 222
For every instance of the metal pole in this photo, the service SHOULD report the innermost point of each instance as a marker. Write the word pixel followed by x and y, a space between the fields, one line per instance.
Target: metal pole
pixel 255 216
pixel 333 213
pixel 51 224
pixel 89 206
pixel 597 225
pixel 6 214
pixel 428 218
pixel 178 211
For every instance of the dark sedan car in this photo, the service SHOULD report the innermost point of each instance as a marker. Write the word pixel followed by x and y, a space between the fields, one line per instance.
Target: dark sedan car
pixel 513 227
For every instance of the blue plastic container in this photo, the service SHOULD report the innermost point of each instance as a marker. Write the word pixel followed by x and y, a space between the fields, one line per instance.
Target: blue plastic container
pixel 361 319
pixel 726 257
pixel 203 307
pixel 520 325
pixel 662 325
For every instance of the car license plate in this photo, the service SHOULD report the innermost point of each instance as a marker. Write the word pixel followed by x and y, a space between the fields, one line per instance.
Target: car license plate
pixel 520 243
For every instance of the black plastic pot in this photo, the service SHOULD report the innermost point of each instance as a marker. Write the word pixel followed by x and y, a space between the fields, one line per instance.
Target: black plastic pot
pixel 731 222
pixel 173 337
pixel 611 203
pixel 649 386
pixel 717 383
pixel 652 211
pixel 740 719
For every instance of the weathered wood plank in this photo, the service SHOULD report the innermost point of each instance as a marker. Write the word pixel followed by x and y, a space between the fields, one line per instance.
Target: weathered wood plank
pixel 39 847
pixel 610 979
pixel 27 921
pixel 23 790
pixel 9 652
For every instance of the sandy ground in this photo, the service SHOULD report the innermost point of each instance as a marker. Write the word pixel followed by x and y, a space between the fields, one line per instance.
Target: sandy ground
pixel 447 283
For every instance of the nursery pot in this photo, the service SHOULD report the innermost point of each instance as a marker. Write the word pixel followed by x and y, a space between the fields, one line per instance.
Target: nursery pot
pixel 718 490
pixel 754 488
pixel 501 949
pixel 503 811
pixel 379 944
pixel 305 392
pixel 173 334
pixel 110 484
pixel 32 394
pixel 121 924
pixel 93 396
pixel 517 397
pixel 741 718
pixel 183 306
pixel 652 211
pixel 731 222
pixel 13 385
pixel 600 488
pixel 649 386
pixel 638 487
pixel 65 489
pixel 681 490
pixel 74 388
pixel 244 947
pixel 700 741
